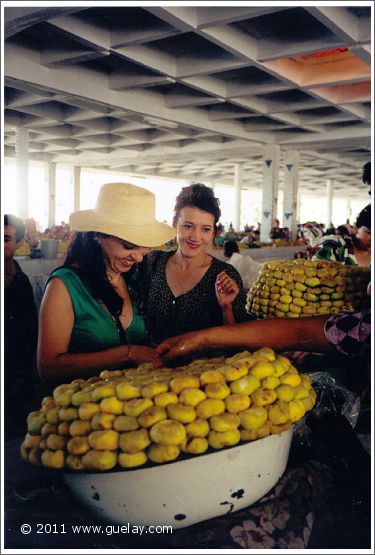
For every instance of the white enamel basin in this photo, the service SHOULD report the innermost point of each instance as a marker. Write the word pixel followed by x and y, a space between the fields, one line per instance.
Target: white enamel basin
pixel 188 491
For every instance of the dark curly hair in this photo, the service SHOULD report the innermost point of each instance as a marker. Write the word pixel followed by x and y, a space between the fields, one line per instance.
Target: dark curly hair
pixel 86 253
pixel 366 173
pixel 199 196
pixel 230 247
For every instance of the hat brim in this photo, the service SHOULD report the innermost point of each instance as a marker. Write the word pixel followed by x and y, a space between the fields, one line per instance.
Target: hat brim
pixel 151 234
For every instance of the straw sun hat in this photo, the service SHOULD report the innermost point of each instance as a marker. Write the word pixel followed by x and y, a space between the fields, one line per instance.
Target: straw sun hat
pixel 127 212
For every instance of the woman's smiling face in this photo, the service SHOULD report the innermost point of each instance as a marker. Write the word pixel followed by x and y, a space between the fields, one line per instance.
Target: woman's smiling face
pixel 195 230
pixel 120 255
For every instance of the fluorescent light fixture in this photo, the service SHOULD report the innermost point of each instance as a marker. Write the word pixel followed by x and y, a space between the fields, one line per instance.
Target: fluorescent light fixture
pixel 156 122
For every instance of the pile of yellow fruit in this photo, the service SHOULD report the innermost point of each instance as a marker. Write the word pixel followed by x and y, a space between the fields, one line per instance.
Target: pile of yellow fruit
pixel 129 417
pixel 296 288
pixel 63 246
pixel 23 250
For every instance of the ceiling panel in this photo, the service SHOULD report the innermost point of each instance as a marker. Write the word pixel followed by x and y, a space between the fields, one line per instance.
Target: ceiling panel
pixel 190 91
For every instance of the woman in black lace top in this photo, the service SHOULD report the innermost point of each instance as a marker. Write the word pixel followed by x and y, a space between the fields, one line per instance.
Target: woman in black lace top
pixel 189 289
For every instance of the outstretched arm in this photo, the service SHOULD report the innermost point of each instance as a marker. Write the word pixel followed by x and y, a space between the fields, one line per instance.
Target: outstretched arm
pixel 302 334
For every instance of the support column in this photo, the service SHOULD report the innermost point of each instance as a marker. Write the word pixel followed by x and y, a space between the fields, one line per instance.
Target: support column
pixel 291 173
pixel 329 199
pixel 51 194
pixel 22 168
pixel 270 190
pixel 238 171
pixel 77 187
pixel 298 210
pixel 348 211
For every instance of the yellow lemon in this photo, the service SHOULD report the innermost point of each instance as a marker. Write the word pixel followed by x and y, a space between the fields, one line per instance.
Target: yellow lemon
pixel 131 460
pixel 293 379
pixel 168 432
pixel 218 440
pixel 253 418
pixel 262 397
pixel 162 453
pixel 246 385
pixel 279 413
pixel 297 410
pixel 260 370
pixel 285 392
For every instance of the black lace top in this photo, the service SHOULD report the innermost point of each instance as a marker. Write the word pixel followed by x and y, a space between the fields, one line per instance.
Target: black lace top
pixel 197 309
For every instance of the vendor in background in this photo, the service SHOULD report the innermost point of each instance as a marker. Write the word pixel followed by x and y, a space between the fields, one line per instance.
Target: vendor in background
pixel 247 267
pixel 220 235
pixel 91 316
pixel 231 234
pixel 251 238
pixel 20 332
pixel 312 234
pixel 276 231
pixel 190 289
pixel 349 245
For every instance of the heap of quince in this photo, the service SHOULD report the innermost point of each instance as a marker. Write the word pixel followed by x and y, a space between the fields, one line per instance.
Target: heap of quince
pixel 129 417
pixel 297 288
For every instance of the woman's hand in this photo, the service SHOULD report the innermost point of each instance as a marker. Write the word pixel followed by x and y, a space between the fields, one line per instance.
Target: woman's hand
pixel 226 290
pixel 141 353
pixel 180 345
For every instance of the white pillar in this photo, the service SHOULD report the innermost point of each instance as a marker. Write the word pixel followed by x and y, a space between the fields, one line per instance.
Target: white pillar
pixel 238 171
pixel 51 194
pixel 291 172
pixel 329 199
pixel 22 165
pixel 77 187
pixel 298 211
pixel 270 190
pixel 348 211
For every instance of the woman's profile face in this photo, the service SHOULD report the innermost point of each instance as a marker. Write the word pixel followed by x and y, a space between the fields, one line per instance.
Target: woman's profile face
pixel 120 255
pixel 195 230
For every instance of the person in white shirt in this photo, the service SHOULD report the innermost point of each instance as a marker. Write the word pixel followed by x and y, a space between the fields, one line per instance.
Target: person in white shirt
pixel 247 267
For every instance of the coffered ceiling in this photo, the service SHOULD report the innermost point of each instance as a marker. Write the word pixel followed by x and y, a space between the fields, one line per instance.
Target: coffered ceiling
pixel 190 91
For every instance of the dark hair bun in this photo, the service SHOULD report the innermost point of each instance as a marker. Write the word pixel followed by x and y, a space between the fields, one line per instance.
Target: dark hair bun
pixel 199 196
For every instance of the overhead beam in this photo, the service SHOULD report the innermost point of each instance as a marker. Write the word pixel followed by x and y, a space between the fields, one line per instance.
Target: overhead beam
pixel 341 22
pixel 93 87
pixel 18 19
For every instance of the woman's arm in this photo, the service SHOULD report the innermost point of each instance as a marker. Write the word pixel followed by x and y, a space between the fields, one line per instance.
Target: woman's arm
pixel 226 291
pixel 238 304
pixel 302 334
pixel 56 319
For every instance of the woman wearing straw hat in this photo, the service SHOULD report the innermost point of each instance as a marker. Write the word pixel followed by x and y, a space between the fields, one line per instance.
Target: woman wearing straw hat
pixel 91 316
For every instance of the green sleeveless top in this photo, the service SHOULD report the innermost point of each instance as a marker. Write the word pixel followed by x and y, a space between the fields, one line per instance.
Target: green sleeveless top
pixel 94 329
